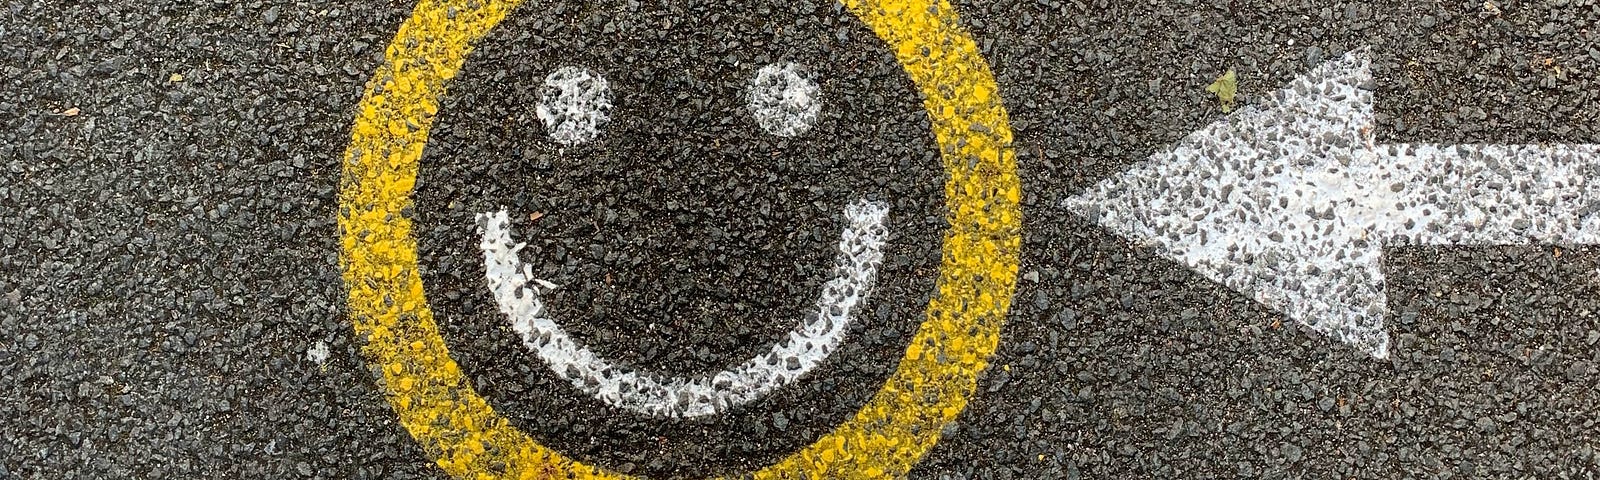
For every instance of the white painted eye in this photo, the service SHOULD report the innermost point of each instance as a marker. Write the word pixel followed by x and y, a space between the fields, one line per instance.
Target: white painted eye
pixel 574 104
pixel 783 101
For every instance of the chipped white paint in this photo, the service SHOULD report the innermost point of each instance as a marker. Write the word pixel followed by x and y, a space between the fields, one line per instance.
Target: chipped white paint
pixel 1292 202
pixel 545 284
pixel 783 100
pixel 574 104
pixel 860 253
pixel 318 353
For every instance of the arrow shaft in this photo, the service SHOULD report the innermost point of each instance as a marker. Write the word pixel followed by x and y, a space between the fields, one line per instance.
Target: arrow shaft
pixel 1482 195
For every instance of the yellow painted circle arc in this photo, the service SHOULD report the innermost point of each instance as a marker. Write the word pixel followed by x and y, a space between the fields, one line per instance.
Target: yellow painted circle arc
pixel 436 403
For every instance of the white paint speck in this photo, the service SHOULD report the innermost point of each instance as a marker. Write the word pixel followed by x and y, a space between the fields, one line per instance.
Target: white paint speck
pixel 318 353
pixel 574 104
pixel 783 100
pixel 812 340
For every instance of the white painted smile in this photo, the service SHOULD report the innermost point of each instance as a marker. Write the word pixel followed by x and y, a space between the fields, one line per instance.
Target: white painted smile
pixel 855 269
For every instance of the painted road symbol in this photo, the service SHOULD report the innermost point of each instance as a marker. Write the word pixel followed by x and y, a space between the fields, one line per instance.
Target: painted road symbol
pixel 1292 202
pixel 885 437
pixel 684 238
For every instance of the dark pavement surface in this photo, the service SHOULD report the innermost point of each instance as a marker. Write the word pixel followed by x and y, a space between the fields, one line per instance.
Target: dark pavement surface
pixel 168 177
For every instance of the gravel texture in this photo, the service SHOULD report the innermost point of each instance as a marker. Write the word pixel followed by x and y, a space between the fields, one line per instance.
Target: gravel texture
pixel 169 276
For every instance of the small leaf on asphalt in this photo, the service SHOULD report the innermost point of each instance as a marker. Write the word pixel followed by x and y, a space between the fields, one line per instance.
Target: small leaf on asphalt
pixel 1225 87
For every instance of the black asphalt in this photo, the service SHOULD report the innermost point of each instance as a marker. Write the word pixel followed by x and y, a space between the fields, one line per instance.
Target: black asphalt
pixel 168 252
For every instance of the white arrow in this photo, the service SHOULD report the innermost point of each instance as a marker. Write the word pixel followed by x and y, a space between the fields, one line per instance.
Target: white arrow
pixel 1292 203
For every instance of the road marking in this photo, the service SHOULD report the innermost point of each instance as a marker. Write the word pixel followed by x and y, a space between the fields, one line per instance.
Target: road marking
pixel 1292 202
pixel 860 253
pixel 783 100
pixel 574 104
pixel 435 401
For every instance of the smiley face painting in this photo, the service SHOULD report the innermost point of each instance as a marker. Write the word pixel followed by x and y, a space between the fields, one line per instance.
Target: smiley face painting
pixel 676 213
pixel 689 268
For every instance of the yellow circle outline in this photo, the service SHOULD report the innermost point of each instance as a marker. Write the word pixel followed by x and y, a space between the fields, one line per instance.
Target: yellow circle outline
pixel 436 402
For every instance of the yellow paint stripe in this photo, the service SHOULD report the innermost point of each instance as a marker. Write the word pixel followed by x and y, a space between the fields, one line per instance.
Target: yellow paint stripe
pixel 436 403
pixel 429 393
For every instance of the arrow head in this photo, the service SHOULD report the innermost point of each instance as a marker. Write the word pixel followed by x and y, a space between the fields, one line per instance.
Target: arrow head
pixel 1251 202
